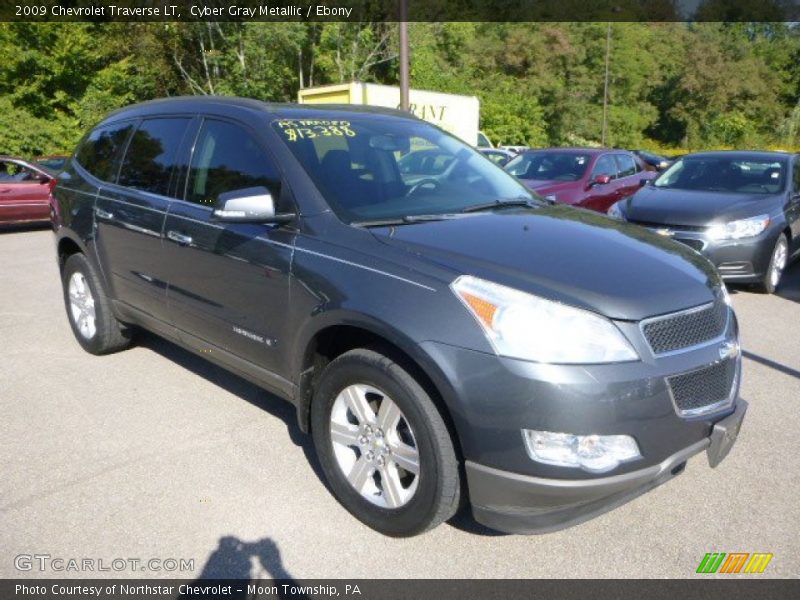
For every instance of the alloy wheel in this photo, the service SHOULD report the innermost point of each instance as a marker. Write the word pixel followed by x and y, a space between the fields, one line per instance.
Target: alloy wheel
pixel 778 262
pixel 81 306
pixel 374 446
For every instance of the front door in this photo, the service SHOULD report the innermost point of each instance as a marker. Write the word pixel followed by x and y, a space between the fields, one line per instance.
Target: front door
pixel 630 179
pixel 601 196
pixel 228 282
pixel 24 196
pixel 793 210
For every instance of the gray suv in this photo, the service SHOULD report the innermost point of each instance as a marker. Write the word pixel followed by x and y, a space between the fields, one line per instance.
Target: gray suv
pixel 447 339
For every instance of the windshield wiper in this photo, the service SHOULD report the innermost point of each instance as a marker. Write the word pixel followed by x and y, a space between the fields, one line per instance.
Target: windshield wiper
pixel 407 220
pixel 495 204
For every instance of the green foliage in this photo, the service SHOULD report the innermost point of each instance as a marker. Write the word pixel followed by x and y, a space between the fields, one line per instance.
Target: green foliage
pixel 670 85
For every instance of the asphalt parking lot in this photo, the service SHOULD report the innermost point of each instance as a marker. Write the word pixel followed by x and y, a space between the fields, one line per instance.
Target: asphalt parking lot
pixel 154 453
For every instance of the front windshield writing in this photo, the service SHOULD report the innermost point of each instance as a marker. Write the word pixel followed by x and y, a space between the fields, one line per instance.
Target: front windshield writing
pixel 374 167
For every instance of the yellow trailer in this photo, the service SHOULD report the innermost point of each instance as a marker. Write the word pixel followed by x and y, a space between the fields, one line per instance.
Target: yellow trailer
pixel 454 113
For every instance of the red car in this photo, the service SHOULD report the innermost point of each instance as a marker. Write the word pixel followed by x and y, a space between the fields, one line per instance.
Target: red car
pixel 593 178
pixel 24 192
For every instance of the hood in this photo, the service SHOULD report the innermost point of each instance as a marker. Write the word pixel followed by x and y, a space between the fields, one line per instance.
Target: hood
pixel 572 256
pixel 695 209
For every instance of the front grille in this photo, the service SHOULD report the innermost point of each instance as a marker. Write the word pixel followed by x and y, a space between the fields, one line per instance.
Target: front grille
pixel 698 391
pixel 686 328
pixel 670 226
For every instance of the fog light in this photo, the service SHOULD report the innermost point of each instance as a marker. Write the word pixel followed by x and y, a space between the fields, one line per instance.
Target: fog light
pixel 593 453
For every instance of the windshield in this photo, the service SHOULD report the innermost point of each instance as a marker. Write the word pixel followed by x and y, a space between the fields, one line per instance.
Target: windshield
pixel 549 166
pixel 725 174
pixel 375 167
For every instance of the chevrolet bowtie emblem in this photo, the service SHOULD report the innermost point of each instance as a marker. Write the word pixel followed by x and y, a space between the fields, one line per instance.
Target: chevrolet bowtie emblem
pixel 728 350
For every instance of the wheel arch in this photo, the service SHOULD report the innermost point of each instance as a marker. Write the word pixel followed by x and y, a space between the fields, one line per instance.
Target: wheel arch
pixel 66 246
pixel 340 333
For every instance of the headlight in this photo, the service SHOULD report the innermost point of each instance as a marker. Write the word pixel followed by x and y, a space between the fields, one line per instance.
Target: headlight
pixel 593 453
pixel 735 230
pixel 524 326
pixel 615 212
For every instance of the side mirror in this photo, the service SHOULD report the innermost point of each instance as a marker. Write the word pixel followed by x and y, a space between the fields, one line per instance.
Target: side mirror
pixel 601 179
pixel 248 205
pixel 644 182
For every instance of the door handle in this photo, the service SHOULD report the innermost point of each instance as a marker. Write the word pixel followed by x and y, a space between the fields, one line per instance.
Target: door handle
pixel 103 214
pixel 179 238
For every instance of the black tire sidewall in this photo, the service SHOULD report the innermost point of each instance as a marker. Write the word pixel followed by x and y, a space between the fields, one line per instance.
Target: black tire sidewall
pixel 417 515
pixel 103 320
pixel 767 284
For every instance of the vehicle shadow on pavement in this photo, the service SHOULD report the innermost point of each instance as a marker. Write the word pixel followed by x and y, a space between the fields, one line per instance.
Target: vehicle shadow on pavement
pixel 464 521
pixel 23 228
pixel 234 384
pixel 276 407
pixel 234 559
pixel 772 364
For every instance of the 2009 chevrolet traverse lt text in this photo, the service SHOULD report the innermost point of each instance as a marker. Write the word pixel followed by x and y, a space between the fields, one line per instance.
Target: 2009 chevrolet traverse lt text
pixel 444 340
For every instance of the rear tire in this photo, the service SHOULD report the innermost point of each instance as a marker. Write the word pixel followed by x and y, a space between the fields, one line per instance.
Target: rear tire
pixel 392 464
pixel 89 309
pixel 777 263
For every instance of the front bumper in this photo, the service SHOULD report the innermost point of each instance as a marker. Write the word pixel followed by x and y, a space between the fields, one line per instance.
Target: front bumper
pixel 516 503
pixel 744 260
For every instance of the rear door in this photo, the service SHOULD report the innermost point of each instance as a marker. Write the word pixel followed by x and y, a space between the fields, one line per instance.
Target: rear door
pixel 130 214
pixel 629 175
pixel 229 282
pixel 23 195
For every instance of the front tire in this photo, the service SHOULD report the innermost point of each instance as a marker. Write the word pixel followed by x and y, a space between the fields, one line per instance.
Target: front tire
pixel 383 445
pixel 777 263
pixel 89 309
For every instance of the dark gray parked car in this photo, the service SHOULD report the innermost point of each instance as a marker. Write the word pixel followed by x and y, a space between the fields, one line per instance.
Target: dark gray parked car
pixel 444 340
pixel 739 209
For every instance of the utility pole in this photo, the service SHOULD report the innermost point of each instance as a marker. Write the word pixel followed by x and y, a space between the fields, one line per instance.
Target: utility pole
pixel 605 87
pixel 404 104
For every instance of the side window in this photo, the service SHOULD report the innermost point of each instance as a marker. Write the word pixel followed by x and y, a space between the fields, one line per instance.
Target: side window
pixel 11 172
pixel 152 154
pixel 227 158
pixel 605 165
pixel 626 165
pixel 797 176
pixel 519 165
pixel 100 150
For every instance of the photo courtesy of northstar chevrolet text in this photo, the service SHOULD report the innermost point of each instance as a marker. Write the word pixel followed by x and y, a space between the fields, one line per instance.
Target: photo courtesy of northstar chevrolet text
pixel 299 299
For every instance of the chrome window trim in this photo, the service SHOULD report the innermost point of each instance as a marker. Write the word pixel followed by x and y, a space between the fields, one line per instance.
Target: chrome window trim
pixel 266 241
